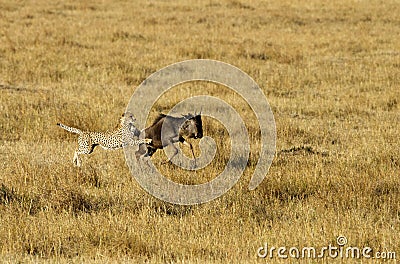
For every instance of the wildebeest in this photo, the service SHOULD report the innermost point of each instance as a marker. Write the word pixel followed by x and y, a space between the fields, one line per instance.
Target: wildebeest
pixel 167 130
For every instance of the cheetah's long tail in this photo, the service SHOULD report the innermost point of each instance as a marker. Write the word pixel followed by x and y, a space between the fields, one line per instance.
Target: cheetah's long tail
pixel 70 129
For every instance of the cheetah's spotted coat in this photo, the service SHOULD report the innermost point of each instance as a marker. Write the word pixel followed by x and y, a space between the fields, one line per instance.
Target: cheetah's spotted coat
pixel 115 139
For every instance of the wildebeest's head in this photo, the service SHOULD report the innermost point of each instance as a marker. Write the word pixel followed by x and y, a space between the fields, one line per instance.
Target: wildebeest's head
pixel 192 127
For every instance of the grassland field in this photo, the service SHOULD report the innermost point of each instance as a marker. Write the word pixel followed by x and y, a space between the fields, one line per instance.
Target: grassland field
pixel 330 71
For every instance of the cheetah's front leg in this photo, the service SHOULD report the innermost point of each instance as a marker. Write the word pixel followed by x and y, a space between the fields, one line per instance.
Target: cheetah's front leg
pixel 76 160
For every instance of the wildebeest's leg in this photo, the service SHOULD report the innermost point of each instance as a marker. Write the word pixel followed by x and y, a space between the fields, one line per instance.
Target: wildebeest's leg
pixel 147 161
pixel 141 151
pixel 143 156
pixel 175 150
pixel 191 148
pixel 171 142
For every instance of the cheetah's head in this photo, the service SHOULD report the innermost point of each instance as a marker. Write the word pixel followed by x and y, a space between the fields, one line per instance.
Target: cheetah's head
pixel 127 118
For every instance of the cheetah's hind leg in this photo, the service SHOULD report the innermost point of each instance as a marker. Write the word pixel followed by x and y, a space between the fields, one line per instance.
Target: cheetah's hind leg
pixel 76 160
pixel 85 146
pixel 79 151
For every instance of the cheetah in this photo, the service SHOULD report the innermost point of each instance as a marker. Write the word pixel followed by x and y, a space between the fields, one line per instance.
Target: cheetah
pixel 110 140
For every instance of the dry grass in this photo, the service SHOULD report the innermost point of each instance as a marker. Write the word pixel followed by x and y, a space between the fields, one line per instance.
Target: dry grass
pixel 330 70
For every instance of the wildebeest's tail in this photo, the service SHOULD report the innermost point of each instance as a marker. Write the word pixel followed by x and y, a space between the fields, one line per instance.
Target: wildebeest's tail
pixel 70 129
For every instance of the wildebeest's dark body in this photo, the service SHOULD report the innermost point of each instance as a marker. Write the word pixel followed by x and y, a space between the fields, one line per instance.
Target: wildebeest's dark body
pixel 167 130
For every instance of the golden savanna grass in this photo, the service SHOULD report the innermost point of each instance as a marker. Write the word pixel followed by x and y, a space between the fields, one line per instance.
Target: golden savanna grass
pixel 330 71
